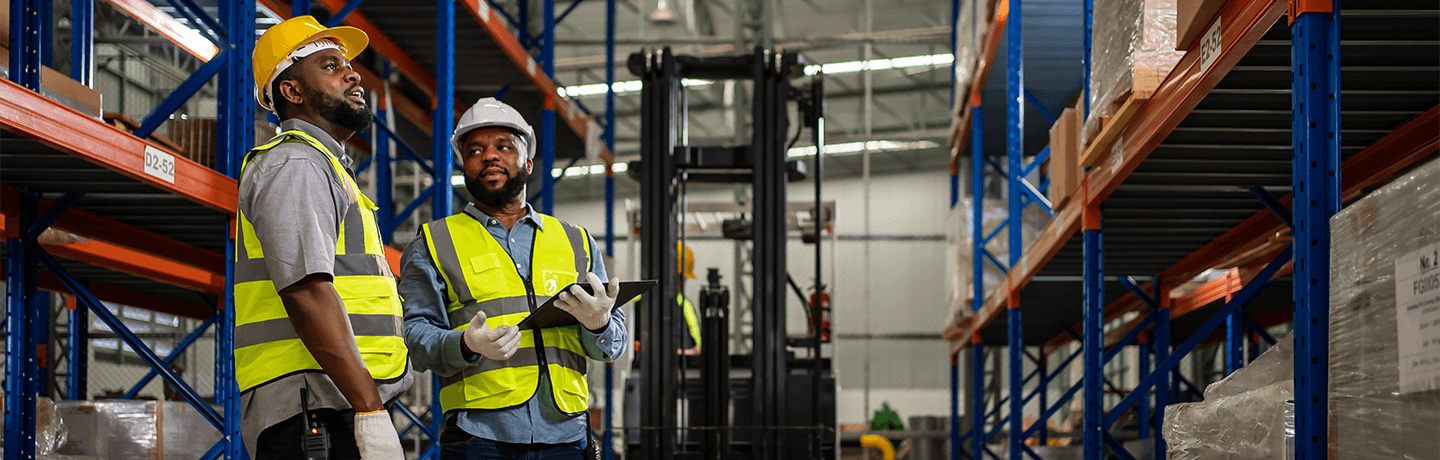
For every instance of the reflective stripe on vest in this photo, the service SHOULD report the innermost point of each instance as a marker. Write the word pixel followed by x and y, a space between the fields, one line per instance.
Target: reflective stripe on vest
pixel 480 276
pixel 266 344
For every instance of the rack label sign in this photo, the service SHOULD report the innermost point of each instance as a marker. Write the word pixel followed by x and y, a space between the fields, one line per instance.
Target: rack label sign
pixel 159 164
pixel 1210 46
pixel 1417 318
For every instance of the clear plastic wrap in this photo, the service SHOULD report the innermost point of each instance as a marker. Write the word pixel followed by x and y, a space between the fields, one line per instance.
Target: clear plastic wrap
pixel 1274 365
pixel 185 434
pixel 1133 40
pixel 112 429
pixel 1246 426
pixel 995 213
pixel 1374 416
pixel 50 431
pixel 1242 417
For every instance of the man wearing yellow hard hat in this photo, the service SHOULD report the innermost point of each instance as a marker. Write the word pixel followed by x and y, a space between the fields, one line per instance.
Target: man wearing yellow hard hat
pixel 319 336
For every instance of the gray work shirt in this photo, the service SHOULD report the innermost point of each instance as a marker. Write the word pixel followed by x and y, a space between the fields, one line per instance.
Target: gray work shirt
pixel 435 345
pixel 296 201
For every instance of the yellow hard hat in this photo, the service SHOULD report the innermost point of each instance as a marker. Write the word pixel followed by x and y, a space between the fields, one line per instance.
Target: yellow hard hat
pixel 686 264
pixel 282 39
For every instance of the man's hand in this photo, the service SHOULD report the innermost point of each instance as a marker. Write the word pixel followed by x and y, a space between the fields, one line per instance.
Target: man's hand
pixel 376 437
pixel 592 311
pixel 496 344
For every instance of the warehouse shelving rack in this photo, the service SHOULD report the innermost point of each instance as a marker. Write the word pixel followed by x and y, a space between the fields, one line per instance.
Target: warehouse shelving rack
pixel 154 227
pixel 1189 181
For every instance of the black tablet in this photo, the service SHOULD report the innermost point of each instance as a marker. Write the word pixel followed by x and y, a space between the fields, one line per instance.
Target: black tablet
pixel 548 315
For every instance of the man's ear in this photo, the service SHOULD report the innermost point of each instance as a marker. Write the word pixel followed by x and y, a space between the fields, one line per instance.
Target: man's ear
pixel 529 166
pixel 290 90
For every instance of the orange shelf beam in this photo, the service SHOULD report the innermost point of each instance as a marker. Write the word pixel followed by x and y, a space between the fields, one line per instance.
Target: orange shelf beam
pixel 29 114
pixel 162 23
pixel 971 98
pixel 90 225
pixel 1396 152
pixel 1244 23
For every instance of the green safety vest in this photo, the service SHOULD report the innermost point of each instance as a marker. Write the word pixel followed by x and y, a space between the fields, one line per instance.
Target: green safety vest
pixel 266 345
pixel 480 276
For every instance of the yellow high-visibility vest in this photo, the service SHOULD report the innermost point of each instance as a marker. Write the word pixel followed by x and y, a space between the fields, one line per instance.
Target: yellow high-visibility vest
pixel 266 345
pixel 480 276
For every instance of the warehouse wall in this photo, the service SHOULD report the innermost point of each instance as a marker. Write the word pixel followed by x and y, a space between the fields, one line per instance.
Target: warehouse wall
pixel 906 283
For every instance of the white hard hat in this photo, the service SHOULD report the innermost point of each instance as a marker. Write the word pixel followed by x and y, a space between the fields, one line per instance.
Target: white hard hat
pixel 491 112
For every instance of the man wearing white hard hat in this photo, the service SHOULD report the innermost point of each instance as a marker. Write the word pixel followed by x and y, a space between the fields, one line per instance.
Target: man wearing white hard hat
pixel 319 339
pixel 468 279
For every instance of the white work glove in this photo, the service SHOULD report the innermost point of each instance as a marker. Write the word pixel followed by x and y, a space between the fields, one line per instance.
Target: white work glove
pixel 496 344
pixel 592 311
pixel 376 437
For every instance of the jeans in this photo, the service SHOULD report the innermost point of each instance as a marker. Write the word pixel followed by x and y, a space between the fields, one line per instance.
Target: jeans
pixel 456 444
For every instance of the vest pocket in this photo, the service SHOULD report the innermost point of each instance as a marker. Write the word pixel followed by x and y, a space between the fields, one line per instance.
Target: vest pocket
pixel 487 275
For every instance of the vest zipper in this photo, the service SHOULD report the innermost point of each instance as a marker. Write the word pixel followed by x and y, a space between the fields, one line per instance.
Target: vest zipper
pixel 539 340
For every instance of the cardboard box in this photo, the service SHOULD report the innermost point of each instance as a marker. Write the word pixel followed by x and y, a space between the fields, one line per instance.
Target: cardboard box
pixel 1064 165
pixel 1191 19
pixel 60 88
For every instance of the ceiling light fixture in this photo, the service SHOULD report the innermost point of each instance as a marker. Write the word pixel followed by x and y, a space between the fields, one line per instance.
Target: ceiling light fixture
pixel 663 16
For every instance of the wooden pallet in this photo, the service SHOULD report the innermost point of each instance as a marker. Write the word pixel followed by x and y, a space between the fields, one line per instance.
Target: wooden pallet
pixel 1144 81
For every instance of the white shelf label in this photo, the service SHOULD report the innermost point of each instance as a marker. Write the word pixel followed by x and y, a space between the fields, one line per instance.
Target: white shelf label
pixel 1210 46
pixel 159 164
pixel 1117 155
pixel 484 8
pixel 1417 318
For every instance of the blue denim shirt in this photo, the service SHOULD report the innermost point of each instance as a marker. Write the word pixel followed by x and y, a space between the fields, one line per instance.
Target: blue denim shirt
pixel 435 345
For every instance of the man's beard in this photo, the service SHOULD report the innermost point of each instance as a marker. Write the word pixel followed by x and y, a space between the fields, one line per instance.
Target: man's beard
pixel 341 112
pixel 498 198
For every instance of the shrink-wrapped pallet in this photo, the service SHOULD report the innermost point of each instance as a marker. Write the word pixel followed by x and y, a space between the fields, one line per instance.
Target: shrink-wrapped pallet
pixel 1385 322
pixel 112 429
pixel 961 246
pixel 1133 50
pixel 1242 416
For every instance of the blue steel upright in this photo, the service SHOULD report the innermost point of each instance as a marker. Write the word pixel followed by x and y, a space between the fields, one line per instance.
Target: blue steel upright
pixel 607 441
pixel 1315 95
pixel 1234 341
pixel 26 37
pixel 1093 343
pixel 384 177
pixel 82 41
pixel 77 340
pixel 443 120
pixel 1014 147
pixel 547 116
pixel 19 343
pixel 977 232
pixel 237 128
pixel 1161 345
